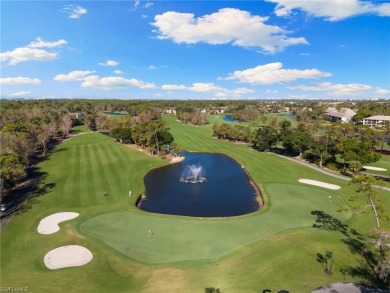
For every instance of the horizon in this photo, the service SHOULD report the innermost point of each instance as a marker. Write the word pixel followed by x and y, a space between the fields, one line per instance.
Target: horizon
pixel 195 50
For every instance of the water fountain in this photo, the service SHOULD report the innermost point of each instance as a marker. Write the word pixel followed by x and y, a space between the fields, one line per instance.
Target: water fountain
pixel 193 174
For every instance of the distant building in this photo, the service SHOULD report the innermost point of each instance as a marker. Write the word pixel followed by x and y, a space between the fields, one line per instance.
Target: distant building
pixel 344 114
pixel 377 121
pixel 218 110
pixel 170 111
pixel 80 116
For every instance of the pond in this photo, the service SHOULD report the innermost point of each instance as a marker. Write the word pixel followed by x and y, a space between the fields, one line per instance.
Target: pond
pixel 223 188
pixel 229 118
pixel 288 115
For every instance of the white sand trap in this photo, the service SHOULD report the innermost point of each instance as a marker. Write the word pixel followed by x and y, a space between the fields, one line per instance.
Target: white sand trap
pixel 319 183
pixel 374 168
pixel 49 225
pixel 67 256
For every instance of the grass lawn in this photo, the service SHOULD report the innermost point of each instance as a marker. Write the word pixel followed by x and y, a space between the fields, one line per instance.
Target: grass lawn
pixel 271 249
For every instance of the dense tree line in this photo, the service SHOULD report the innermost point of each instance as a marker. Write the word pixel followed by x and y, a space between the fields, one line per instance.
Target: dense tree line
pixel 348 142
pixel 26 132
pixel 152 134
pixel 193 117
pixel 246 113
pixel 233 132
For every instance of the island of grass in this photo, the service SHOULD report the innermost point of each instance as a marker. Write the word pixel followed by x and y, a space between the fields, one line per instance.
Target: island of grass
pixel 136 251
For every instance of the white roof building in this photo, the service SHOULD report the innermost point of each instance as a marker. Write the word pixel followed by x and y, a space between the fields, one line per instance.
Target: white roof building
pixel 344 114
pixel 377 120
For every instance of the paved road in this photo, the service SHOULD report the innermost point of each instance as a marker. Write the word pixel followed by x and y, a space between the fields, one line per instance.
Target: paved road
pixel 326 172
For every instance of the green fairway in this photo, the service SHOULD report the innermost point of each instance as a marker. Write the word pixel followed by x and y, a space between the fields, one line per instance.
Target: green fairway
pixel 272 248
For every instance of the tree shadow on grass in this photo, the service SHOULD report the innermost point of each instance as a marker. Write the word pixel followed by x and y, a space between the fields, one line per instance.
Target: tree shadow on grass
pixel 367 269
pixel 22 198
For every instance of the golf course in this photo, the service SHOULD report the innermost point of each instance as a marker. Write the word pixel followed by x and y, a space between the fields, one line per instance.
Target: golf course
pixel 135 251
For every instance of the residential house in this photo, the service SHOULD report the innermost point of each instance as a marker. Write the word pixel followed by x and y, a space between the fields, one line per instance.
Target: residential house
pixel 170 111
pixel 344 114
pixel 377 121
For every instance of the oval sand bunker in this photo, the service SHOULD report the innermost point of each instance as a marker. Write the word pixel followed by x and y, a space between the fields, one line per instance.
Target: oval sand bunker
pixel 67 256
pixel 49 225
pixel 319 183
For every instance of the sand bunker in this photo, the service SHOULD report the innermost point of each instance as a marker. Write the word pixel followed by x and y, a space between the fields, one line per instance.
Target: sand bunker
pixel 67 256
pixel 374 168
pixel 319 183
pixel 49 225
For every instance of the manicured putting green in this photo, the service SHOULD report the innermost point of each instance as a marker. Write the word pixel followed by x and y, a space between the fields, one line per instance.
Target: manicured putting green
pixel 173 239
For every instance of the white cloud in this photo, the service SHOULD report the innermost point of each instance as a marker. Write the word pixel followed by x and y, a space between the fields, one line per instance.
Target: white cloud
pixel 19 80
pixel 137 4
pixel 39 43
pixel 271 91
pixel 204 87
pixel 272 73
pixel 154 67
pixel 207 87
pixel 94 81
pixel 109 63
pixel 171 87
pixel 340 89
pixel 73 75
pixel 228 25
pixel 119 72
pixel 26 54
pixel 112 82
pixel 74 11
pixel 31 52
pixel 382 91
pixel 332 10
pixel 242 91
pixel 18 94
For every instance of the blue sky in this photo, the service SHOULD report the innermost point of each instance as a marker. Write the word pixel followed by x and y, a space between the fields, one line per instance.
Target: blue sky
pixel 195 49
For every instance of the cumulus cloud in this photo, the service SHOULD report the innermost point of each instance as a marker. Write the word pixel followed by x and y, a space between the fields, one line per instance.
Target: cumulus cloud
pixel 19 80
pixel 32 52
pixel 40 43
pixel 109 63
pixel 19 94
pixel 339 88
pixel 272 73
pixel 173 87
pixel 73 75
pixel 382 91
pixel 332 10
pixel 118 72
pixel 74 11
pixel 204 87
pixel 208 87
pixel 112 82
pixel 227 26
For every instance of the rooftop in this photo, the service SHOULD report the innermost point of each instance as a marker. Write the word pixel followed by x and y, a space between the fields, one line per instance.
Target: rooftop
pixel 342 113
